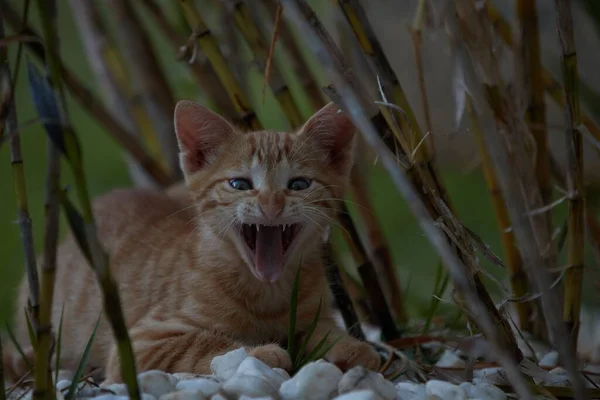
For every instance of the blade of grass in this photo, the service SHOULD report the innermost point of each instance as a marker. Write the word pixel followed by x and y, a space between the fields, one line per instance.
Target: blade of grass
pixel 82 363
pixel 310 331
pixel 441 283
pixel 18 347
pixel 30 330
pixel 57 353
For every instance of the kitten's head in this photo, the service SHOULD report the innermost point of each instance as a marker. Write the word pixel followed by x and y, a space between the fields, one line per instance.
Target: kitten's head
pixel 273 194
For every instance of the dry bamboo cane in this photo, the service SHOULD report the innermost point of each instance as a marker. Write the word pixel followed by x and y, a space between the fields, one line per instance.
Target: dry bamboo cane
pixel 426 192
pixel 551 85
pixel 299 12
pixel 208 43
pixel 91 104
pixel 472 43
pixel 529 72
pixel 575 186
pixel 148 79
pixel 203 73
pixel 245 25
pixel 18 172
pixel 514 263
pixel 99 260
pixel 115 85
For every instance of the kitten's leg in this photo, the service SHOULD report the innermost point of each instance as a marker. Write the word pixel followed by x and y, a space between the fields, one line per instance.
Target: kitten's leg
pixel 157 347
pixel 347 352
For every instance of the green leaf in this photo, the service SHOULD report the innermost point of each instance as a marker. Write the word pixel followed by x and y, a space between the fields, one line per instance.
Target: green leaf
pixel 310 331
pixel 13 339
pixel 76 224
pixel 293 315
pixel 82 362
pixel 30 331
pixel 58 344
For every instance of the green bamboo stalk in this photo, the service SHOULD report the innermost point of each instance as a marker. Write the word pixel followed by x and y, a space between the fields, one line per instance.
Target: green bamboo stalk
pixel 575 185
pixel 18 172
pixel 204 38
pixel 115 85
pixel 512 258
pixel 89 102
pixel 99 259
pixel 202 72
pixel 245 25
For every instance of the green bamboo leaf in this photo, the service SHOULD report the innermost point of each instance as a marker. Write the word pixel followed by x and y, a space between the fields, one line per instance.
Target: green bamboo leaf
pixel 293 315
pixel 13 339
pixel 82 362
pixel 58 344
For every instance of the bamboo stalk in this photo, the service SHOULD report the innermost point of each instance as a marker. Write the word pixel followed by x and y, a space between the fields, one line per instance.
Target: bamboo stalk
pixel 119 96
pixel 301 14
pixel 291 46
pixel 99 260
pixel 91 104
pixel 431 197
pixel 575 186
pixel 472 45
pixel 148 80
pixel 512 258
pixel 208 43
pixel 18 172
pixel 245 25
pixel 417 35
pixel 551 85
pixel 203 73
pixel 529 71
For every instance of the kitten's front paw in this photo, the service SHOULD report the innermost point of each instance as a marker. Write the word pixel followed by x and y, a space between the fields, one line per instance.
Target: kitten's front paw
pixel 272 355
pixel 351 353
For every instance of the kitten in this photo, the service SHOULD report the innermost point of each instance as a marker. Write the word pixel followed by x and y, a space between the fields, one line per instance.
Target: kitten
pixel 209 269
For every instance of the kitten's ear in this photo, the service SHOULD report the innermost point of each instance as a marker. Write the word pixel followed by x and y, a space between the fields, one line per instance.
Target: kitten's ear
pixel 333 131
pixel 200 133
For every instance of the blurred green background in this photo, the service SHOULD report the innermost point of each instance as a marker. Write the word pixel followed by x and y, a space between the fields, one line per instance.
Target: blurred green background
pixel 106 169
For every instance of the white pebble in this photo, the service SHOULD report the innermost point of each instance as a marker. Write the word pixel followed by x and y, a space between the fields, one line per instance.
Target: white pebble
pixel 253 378
pixel 218 396
pixel 184 395
pixel 244 397
pixel 111 397
pixel 550 360
pixel 156 382
pixel 317 380
pixel 225 366
pixel 282 372
pixel 450 360
pixel 184 376
pixel 410 391
pixel 119 389
pixel 483 390
pixel 207 387
pixel 441 390
pixel 63 385
pixel 146 396
pixel 359 395
pixel 361 378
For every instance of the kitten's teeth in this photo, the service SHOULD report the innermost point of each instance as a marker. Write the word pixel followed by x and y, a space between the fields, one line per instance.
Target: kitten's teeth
pixel 284 225
pixel 258 227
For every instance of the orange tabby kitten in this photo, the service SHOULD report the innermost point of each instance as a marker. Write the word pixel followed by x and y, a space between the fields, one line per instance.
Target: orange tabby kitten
pixel 199 277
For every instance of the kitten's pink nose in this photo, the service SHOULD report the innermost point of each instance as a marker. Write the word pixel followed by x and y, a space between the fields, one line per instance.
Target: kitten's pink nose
pixel 271 205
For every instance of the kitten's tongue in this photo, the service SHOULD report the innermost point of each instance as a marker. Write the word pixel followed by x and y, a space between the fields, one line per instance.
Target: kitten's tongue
pixel 268 257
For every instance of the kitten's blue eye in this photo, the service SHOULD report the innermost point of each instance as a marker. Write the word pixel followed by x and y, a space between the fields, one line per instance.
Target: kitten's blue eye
pixel 241 184
pixel 298 184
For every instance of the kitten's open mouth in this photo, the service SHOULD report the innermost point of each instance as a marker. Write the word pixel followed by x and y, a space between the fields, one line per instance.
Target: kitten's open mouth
pixel 269 245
